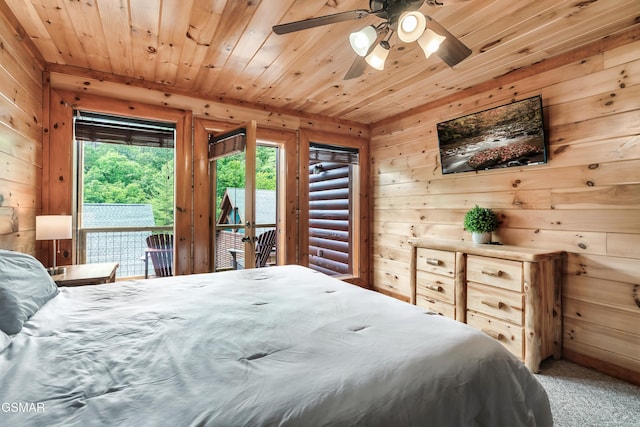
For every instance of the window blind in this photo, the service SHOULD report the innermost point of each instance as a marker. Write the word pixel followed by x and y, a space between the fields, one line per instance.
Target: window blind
pixel 328 153
pixel 227 143
pixel 95 127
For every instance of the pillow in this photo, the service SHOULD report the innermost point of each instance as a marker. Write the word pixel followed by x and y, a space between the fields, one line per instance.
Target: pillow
pixel 25 286
pixel 4 341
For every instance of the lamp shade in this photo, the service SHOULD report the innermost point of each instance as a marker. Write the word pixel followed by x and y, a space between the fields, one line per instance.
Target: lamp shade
pixel 53 227
pixel 362 40
pixel 378 56
pixel 430 42
pixel 411 26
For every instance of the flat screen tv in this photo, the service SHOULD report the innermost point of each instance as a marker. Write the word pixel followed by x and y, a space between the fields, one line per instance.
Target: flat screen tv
pixel 511 135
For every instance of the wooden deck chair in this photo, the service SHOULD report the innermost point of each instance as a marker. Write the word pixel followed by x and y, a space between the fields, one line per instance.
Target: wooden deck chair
pixel 160 250
pixel 264 245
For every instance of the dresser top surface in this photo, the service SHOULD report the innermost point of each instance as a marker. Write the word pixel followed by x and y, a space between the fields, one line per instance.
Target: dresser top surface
pixel 491 250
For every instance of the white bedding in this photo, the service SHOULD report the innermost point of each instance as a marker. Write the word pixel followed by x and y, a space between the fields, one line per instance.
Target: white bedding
pixel 272 346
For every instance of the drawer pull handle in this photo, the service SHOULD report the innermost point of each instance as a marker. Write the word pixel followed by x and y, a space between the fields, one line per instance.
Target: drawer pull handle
pixel 491 272
pixel 499 304
pixel 495 335
pixel 435 288
pixel 433 261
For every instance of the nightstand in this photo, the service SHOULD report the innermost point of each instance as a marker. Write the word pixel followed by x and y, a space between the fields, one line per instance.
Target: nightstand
pixel 87 274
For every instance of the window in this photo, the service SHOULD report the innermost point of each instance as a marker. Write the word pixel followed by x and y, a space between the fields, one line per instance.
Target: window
pixel 333 180
pixel 125 187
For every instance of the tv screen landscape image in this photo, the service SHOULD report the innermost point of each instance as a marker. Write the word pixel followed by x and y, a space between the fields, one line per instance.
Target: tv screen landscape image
pixel 511 135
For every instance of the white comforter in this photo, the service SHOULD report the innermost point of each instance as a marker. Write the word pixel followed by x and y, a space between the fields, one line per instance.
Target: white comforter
pixel 273 346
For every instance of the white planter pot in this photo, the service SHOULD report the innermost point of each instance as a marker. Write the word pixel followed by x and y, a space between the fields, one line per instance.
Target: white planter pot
pixel 484 237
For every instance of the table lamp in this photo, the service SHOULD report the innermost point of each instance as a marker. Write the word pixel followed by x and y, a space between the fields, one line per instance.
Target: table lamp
pixel 53 227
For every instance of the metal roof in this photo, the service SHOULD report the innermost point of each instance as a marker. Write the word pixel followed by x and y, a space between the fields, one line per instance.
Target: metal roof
pixel 117 215
pixel 265 204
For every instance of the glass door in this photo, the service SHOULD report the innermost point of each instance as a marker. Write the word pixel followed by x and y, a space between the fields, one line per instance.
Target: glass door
pixel 266 196
pixel 244 198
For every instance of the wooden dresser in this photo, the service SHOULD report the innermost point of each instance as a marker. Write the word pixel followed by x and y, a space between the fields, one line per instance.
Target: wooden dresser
pixel 511 293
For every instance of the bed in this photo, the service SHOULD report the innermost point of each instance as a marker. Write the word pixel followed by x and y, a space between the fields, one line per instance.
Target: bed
pixel 276 346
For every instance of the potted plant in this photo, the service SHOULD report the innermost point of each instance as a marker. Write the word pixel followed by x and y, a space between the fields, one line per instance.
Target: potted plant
pixel 480 222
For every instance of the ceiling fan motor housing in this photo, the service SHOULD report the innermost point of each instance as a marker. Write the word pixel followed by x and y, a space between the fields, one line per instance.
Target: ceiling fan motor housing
pixel 392 9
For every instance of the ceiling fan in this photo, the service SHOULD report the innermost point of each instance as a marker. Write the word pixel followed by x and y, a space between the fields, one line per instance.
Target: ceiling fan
pixel 371 43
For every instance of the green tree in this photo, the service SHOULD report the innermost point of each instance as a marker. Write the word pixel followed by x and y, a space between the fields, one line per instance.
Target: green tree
pixel 113 178
pixel 116 173
pixel 266 168
pixel 230 173
pixel 163 205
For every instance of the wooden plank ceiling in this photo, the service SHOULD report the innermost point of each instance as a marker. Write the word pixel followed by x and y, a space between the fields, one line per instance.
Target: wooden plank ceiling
pixel 226 48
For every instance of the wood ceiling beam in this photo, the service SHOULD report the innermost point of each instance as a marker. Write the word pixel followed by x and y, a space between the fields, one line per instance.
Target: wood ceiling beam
pixel 158 87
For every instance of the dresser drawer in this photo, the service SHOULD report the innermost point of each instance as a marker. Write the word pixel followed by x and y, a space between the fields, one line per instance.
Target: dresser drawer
pixel 435 261
pixel 439 307
pixel 510 336
pixel 501 273
pixel 435 286
pixel 496 302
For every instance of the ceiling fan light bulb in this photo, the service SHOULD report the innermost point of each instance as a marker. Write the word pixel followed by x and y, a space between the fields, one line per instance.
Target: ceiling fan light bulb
pixel 362 40
pixel 409 23
pixel 378 56
pixel 411 26
pixel 430 42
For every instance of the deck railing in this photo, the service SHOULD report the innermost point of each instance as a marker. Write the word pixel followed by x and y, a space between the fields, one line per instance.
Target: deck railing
pixel 124 245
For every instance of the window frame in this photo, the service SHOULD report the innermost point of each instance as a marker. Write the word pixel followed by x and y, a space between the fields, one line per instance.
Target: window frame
pixel 58 193
pixel 360 239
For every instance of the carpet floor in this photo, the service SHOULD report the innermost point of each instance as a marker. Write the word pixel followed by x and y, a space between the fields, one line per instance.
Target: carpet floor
pixel 582 397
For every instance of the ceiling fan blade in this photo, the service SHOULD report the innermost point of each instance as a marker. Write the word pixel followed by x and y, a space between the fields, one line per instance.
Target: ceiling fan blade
pixel 320 20
pixel 440 3
pixel 452 50
pixel 356 69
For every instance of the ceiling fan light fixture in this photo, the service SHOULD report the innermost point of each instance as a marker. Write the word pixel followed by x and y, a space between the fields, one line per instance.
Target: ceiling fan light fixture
pixel 411 26
pixel 430 42
pixel 399 16
pixel 379 55
pixel 362 40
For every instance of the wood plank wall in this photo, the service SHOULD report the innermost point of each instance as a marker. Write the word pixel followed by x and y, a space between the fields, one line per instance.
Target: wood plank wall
pixel 20 137
pixel 585 201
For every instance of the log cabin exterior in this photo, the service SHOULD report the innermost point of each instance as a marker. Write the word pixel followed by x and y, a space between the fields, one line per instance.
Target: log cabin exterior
pixel 584 201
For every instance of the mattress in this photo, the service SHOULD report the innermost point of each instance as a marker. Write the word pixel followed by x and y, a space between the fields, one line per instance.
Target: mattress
pixel 276 346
